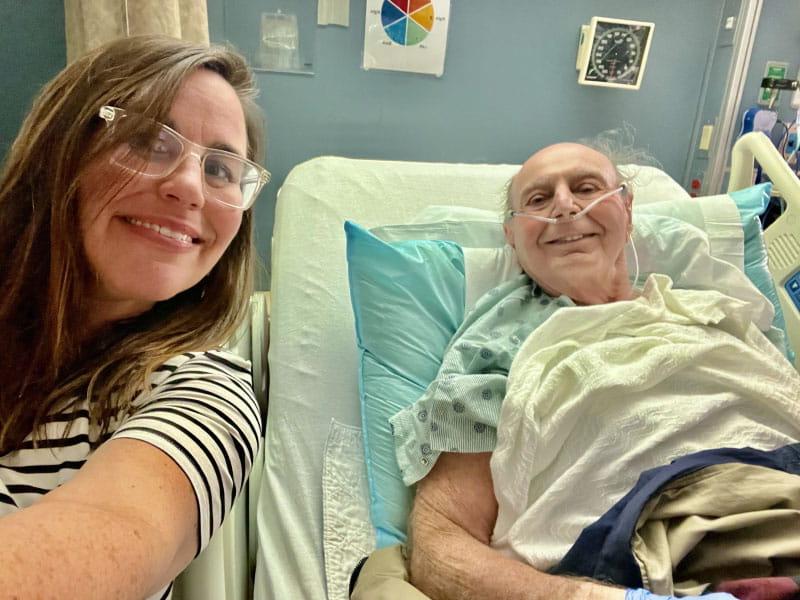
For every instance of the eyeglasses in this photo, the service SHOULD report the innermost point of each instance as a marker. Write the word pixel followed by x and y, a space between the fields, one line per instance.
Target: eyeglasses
pixel 152 149
pixel 586 200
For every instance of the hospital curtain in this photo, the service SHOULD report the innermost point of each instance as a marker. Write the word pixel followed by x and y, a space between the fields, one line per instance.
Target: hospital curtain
pixel 90 23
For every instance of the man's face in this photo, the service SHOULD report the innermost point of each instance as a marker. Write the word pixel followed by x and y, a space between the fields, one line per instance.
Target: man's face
pixel 583 259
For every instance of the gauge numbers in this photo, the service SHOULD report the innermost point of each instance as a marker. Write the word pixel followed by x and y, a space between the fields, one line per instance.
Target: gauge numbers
pixel 615 52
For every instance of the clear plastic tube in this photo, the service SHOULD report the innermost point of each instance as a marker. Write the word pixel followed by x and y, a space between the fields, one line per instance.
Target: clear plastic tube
pixel 635 263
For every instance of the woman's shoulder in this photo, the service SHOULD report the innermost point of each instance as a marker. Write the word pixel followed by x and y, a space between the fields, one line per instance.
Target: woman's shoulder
pixel 202 368
pixel 216 359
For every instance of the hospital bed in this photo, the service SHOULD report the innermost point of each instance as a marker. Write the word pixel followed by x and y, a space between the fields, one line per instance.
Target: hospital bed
pixel 311 522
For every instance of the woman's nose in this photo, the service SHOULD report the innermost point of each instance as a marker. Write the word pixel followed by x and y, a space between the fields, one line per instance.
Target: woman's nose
pixel 185 184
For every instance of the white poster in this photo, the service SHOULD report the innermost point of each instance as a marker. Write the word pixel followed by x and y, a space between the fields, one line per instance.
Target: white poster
pixel 406 35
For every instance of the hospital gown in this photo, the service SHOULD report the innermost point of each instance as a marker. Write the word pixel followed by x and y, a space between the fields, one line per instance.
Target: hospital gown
pixel 460 409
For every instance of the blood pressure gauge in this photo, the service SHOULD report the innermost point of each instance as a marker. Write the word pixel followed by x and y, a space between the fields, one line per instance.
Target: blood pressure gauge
pixel 613 52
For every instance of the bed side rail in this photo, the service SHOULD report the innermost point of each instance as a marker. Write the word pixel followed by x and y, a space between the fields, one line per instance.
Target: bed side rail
pixel 782 237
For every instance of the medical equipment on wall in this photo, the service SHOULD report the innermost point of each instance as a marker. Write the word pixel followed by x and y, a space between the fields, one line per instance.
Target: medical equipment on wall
pixel 788 142
pixel 777 70
pixel 613 52
pixel 764 120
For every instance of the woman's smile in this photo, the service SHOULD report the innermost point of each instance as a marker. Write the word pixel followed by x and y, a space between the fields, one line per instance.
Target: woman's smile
pixel 181 234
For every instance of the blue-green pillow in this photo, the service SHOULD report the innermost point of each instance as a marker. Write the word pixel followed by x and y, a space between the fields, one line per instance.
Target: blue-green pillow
pixel 753 202
pixel 408 301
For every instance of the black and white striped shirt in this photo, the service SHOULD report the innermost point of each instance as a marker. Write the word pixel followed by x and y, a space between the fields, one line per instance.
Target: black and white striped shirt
pixel 200 410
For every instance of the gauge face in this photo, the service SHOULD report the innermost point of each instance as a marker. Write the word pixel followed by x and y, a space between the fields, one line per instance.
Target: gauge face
pixel 618 53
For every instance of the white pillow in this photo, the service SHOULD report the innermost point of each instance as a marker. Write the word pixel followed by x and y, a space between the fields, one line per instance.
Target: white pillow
pixel 480 234
pixel 653 185
pixel 478 229
pixel 663 244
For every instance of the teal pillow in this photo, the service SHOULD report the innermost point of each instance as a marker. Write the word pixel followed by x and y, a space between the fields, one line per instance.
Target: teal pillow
pixel 753 202
pixel 408 301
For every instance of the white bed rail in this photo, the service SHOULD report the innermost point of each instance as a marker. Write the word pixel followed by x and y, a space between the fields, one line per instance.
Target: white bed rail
pixel 782 237
pixel 224 570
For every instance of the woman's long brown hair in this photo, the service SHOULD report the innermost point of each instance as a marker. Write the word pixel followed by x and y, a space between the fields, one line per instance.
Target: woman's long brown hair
pixel 46 364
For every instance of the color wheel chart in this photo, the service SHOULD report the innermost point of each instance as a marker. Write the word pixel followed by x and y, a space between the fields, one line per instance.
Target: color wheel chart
pixel 406 35
pixel 407 22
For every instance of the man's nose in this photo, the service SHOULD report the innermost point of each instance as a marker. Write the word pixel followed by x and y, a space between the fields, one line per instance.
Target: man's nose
pixel 564 202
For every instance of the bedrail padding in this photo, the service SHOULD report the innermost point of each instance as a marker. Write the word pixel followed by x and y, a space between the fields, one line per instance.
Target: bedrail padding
pixel 259 336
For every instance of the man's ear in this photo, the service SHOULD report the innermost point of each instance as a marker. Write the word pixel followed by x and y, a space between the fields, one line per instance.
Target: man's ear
pixel 509 203
pixel 629 209
pixel 509 234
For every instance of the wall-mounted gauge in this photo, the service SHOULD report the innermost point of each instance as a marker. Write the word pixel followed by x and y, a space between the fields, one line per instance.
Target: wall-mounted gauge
pixel 613 52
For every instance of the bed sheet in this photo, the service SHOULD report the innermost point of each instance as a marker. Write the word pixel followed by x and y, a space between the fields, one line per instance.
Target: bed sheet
pixel 313 357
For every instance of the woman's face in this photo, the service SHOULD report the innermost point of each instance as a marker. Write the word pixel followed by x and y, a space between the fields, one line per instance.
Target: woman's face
pixel 583 259
pixel 157 237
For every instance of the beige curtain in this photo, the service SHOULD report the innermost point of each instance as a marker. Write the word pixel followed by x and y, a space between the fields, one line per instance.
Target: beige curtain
pixel 90 23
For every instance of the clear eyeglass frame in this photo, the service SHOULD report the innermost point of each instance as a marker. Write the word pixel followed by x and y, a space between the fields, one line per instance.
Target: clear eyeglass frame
pixel 237 186
pixel 623 189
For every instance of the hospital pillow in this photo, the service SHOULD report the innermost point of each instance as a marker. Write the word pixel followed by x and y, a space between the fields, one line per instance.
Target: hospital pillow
pixel 409 297
pixel 752 203
pixel 408 300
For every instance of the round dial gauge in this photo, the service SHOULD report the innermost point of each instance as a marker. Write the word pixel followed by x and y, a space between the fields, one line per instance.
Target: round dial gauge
pixel 616 53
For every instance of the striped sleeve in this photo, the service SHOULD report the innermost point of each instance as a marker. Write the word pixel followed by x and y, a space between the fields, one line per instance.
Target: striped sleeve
pixel 205 417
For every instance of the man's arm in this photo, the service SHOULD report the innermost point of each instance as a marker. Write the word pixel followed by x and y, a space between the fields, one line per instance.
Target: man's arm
pixel 450 529
pixel 123 527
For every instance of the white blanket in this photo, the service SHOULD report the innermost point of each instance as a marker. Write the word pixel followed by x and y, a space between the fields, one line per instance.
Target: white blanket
pixel 598 394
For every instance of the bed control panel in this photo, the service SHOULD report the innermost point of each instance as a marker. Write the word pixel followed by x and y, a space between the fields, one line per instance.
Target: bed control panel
pixel 793 288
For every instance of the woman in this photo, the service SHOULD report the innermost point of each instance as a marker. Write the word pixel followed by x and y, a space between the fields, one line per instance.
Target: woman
pixel 515 463
pixel 125 435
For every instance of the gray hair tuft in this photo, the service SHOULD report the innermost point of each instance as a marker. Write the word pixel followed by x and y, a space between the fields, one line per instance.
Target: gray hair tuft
pixel 618 145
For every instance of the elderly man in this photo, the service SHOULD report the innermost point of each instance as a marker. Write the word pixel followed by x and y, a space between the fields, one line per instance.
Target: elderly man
pixel 510 467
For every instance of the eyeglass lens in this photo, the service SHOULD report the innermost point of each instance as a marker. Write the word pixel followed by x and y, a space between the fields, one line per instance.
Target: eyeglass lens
pixel 155 151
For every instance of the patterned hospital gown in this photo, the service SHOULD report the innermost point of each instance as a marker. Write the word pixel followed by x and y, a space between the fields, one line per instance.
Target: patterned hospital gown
pixel 460 409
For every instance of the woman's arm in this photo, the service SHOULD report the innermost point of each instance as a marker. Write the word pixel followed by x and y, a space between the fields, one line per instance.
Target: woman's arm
pixel 450 529
pixel 123 527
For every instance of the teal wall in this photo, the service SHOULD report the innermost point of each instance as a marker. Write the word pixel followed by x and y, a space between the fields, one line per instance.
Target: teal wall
pixel 509 87
pixel 711 98
pixel 33 49
pixel 777 38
